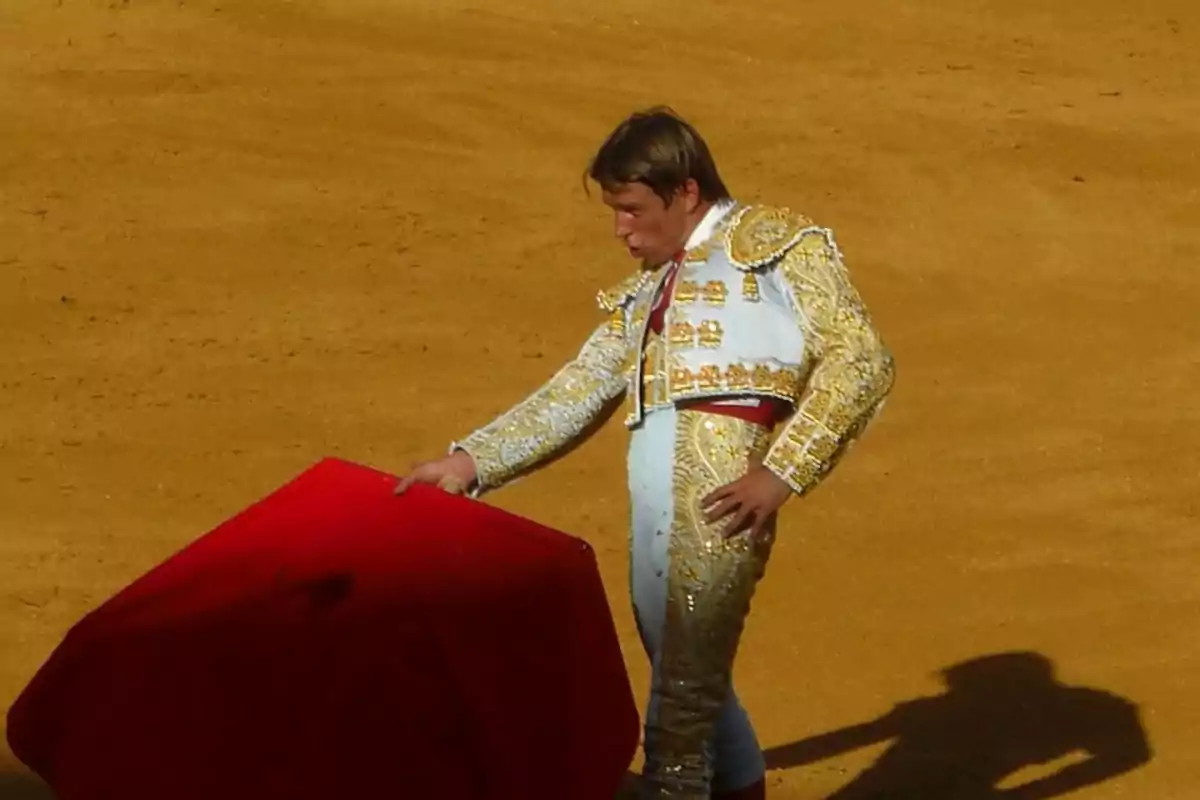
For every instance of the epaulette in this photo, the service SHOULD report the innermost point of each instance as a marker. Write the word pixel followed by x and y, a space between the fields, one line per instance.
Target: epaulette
pixel 818 243
pixel 758 235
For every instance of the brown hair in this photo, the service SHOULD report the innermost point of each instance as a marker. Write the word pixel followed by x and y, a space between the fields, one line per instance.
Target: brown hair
pixel 659 148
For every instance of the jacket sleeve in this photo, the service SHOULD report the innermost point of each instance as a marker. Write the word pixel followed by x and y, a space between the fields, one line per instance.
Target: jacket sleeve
pixel 852 371
pixel 559 414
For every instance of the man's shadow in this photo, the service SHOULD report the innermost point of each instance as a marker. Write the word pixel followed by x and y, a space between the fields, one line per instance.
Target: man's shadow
pixel 999 714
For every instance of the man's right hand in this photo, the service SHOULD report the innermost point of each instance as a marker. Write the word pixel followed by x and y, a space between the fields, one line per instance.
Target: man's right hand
pixel 454 473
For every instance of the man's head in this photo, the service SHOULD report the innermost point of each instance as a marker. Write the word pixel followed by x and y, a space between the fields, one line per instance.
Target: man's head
pixel 658 177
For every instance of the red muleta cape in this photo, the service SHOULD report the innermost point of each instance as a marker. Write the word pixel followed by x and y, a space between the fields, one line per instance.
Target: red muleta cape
pixel 336 641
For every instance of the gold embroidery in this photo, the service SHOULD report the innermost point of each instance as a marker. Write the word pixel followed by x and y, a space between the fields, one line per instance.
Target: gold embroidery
pixel 551 418
pixel 682 334
pixel 616 324
pixel 686 291
pixel 708 377
pixel 710 586
pixel 738 377
pixel 715 293
pixel 697 253
pixel 710 333
pixel 784 383
pixel 764 375
pixel 758 235
pixel 817 246
pixel 654 379
pixel 639 310
pixel 682 381
pixel 612 299
pixel 639 317
pixel 852 370
pixel 750 288
pixel 629 362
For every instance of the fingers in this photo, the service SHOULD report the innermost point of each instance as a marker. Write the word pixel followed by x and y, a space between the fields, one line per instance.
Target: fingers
pixel 722 508
pixel 744 518
pixel 716 494
pixel 451 485
pixel 759 529
pixel 417 475
pixel 447 483
pixel 762 525
pixel 412 477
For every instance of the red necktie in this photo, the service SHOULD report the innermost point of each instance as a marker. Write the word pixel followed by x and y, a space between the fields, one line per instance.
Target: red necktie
pixel 664 297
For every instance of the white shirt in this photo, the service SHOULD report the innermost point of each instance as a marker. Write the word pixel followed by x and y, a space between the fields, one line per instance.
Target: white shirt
pixel 709 223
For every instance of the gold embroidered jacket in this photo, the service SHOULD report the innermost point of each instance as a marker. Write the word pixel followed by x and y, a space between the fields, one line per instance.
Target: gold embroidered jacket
pixel 764 308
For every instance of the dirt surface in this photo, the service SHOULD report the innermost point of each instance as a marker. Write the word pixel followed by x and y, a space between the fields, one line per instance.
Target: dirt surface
pixel 236 237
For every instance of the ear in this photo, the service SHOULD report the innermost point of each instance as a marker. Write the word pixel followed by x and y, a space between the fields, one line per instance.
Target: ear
pixel 690 192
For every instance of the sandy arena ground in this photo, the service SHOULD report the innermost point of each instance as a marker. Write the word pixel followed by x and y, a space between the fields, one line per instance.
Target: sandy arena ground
pixel 238 236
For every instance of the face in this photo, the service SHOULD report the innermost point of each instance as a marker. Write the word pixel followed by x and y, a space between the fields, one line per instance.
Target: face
pixel 650 229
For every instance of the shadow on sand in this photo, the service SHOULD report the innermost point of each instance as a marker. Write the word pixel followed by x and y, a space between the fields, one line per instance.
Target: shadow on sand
pixel 998 715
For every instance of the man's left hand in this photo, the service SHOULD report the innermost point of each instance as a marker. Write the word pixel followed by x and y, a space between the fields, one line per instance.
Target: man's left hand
pixel 752 499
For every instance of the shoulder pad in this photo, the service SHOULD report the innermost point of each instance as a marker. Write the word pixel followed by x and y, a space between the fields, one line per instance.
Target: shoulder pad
pixel 758 235
pixel 619 295
pixel 817 243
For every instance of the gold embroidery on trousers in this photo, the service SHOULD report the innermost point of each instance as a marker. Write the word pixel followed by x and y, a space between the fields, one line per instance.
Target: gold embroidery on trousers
pixel 709 589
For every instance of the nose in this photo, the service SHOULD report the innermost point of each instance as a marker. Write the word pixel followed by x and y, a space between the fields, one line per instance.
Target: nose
pixel 621 226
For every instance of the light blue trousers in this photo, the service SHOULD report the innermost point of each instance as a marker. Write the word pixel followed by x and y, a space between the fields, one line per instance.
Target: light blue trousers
pixel 691 591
